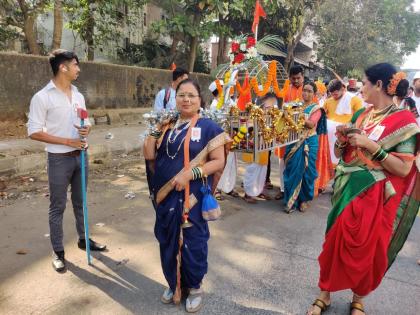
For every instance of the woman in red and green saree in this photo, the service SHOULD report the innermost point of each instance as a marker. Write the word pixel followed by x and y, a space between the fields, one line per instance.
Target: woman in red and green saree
pixel 300 159
pixel 376 193
pixel 178 156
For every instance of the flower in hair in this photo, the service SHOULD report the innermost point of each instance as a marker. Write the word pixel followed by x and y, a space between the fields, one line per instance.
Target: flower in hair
pixel 396 78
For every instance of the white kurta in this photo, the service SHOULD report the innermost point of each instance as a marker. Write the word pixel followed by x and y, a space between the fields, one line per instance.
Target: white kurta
pixel 228 179
pixel 254 179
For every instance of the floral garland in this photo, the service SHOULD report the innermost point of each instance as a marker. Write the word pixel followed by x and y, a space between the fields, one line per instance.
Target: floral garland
pixel 393 84
pixel 281 122
pixel 270 82
pixel 242 48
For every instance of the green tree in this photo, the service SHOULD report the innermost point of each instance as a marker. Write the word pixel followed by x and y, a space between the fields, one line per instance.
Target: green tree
pixel 287 19
pixel 23 14
pixel 191 21
pixel 354 34
pixel 101 22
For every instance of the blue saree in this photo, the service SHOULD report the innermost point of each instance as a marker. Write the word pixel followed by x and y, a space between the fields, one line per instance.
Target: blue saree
pixel 169 203
pixel 300 166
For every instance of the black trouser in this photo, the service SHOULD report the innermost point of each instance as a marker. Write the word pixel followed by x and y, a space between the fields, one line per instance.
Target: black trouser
pixel 65 170
pixel 267 177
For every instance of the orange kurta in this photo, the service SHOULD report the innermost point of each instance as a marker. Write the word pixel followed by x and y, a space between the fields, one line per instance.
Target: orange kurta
pixel 293 93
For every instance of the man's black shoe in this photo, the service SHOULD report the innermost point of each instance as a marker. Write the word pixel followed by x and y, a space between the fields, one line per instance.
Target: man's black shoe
pixel 58 261
pixel 93 245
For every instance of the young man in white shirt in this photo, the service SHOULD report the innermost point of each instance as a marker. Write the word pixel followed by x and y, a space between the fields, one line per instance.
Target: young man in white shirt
pixel 165 98
pixel 53 120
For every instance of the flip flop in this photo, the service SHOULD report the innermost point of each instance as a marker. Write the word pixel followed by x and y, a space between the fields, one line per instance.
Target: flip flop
pixel 269 185
pixel 264 196
pixel 249 199
pixel 194 301
pixel 218 195
pixel 279 196
pixel 234 194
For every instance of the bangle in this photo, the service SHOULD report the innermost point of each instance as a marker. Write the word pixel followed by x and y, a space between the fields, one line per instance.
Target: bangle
pixel 156 134
pixel 376 153
pixel 380 156
pixel 384 158
pixel 197 173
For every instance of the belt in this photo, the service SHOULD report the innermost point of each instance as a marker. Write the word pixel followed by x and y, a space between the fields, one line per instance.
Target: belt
pixel 71 153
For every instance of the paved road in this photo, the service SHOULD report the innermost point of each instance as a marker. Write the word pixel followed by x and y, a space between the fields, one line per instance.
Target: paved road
pixel 262 261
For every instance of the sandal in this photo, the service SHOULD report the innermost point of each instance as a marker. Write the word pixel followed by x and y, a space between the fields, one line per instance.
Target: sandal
pixel 249 199
pixel 303 206
pixel 269 185
pixel 279 196
pixel 234 194
pixel 289 210
pixel 321 305
pixel 264 196
pixel 218 195
pixel 357 306
pixel 194 301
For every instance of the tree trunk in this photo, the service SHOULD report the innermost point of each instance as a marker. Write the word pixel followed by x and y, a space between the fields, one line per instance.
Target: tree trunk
pixel 193 43
pixel 30 34
pixel 288 62
pixel 90 27
pixel 221 49
pixel 58 24
pixel 29 28
pixel 291 46
pixel 192 53
pixel 174 47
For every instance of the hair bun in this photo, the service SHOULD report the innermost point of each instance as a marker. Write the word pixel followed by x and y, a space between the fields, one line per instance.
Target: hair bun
pixel 393 84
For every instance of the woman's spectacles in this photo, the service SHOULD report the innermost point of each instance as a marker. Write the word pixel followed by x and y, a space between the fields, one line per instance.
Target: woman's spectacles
pixel 188 96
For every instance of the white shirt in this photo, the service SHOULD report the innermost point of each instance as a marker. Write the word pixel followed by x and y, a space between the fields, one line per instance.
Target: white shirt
pixel 417 100
pixel 160 97
pixel 51 111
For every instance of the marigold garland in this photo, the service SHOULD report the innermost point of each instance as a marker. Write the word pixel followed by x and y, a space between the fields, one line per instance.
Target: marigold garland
pixel 285 117
pixel 393 84
pixel 270 82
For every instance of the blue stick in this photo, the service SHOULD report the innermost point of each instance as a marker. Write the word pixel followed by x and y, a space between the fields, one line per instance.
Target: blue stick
pixel 85 208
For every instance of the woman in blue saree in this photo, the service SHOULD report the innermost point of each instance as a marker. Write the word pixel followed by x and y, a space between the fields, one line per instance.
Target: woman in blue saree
pixel 183 249
pixel 300 159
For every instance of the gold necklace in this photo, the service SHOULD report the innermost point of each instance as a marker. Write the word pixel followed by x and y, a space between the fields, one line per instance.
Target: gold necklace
pixel 376 117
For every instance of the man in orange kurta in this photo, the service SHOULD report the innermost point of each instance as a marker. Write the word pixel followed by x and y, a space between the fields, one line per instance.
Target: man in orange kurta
pixel 294 92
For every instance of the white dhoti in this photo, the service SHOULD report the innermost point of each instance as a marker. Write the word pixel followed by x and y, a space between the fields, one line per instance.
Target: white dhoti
pixel 254 179
pixel 331 126
pixel 228 179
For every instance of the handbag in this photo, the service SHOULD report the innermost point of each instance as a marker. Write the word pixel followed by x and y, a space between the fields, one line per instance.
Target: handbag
pixel 210 208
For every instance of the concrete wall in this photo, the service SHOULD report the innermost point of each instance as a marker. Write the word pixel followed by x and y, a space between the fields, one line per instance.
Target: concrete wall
pixel 103 85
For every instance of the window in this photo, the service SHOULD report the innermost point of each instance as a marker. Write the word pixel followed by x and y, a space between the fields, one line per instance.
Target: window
pixel 144 19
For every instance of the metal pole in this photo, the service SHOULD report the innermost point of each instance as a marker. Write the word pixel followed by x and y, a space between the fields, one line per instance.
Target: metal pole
pixel 84 197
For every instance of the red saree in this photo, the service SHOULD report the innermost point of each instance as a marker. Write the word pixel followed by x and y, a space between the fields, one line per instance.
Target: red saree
pixel 363 227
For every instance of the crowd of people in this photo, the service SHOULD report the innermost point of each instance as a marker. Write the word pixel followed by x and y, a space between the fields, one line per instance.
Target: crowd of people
pixel 368 145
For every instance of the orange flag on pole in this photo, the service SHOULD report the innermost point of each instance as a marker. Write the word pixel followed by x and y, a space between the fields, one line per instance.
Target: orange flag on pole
pixel 259 11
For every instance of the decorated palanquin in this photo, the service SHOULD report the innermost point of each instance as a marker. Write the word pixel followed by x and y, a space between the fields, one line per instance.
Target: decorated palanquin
pixel 246 78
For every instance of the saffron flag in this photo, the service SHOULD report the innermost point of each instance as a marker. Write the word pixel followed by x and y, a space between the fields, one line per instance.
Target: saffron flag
pixel 259 11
